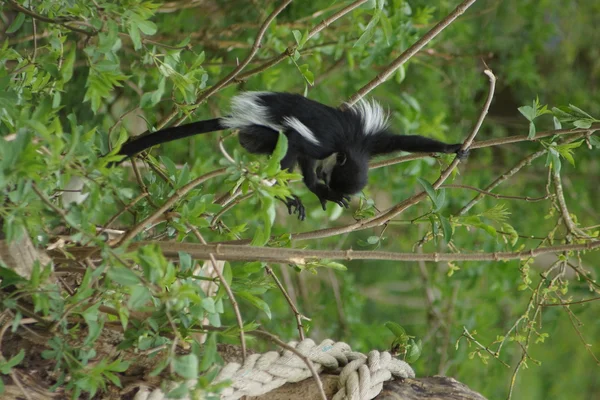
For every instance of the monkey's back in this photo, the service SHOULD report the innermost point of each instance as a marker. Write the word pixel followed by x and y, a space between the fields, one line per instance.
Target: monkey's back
pixel 311 127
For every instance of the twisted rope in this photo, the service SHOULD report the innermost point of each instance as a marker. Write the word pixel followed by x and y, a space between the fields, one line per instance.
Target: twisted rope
pixel 361 377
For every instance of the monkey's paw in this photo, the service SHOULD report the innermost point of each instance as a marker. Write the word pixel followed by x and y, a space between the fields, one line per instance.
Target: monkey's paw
pixel 337 198
pixel 294 205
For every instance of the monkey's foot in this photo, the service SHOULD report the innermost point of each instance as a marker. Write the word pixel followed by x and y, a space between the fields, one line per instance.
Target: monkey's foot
pixel 462 155
pixel 294 205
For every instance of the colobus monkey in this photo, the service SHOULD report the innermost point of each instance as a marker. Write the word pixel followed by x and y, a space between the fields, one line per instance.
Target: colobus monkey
pixel 332 146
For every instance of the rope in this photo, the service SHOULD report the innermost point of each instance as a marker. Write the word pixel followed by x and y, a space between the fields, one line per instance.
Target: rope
pixel 361 377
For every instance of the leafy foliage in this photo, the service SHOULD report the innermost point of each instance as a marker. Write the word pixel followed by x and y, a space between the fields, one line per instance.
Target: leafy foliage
pixel 78 78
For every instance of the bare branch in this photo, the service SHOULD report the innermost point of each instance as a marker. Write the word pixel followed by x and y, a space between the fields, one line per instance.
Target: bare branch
pixel 232 252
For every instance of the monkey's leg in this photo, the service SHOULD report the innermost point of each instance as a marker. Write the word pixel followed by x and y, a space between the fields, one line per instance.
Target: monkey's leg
pixel 293 203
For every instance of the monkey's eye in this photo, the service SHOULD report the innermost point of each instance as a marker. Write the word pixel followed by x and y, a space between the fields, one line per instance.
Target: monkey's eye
pixel 341 159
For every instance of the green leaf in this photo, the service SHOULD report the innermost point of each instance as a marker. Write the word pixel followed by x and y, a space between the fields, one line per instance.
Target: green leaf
pixel 553 159
pixel 185 261
pixel 147 27
pixel 396 329
pixel 557 124
pixel 563 114
pixel 528 112
pixel 210 352
pixel 440 199
pixel 578 111
pixel 432 194
pixel 123 276
pixel 489 229
pixel 186 366
pixel 208 303
pixel 256 302
pixel 434 228
pixel 513 235
pixel 566 150
pixel 334 265
pixel 531 134
pixel 400 74
pixel 386 26
pixel 373 239
pixel 367 35
pixel 298 36
pixel 16 24
pixel 275 160
pixel 446 228
pixel 136 39
pixel 6 366
pixel 170 166
pixel 140 296
pixel 414 351
pixel 583 123
pixel 307 74
pixel 68 65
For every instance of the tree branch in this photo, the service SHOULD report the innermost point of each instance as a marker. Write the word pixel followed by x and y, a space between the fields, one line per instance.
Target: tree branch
pixel 411 51
pixel 232 252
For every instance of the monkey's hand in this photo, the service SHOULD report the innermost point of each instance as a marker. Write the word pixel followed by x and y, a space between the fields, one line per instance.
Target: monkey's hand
pixel 325 194
pixel 294 204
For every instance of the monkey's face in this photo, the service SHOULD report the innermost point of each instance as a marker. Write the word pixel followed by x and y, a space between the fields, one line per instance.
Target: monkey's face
pixel 343 174
pixel 325 167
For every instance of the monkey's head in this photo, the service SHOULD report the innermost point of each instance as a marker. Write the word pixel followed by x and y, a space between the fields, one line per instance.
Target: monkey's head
pixel 344 172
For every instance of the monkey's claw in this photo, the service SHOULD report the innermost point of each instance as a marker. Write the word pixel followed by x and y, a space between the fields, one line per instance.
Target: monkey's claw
pixel 294 204
pixel 341 200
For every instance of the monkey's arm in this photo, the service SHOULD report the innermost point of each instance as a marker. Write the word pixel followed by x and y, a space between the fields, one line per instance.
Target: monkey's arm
pixel 388 143
pixel 323 192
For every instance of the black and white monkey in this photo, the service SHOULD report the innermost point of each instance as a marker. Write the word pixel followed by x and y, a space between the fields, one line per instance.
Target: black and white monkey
pixel 331 146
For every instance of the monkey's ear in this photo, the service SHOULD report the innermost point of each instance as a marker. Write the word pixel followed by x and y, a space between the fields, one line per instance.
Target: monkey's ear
pixel 341 158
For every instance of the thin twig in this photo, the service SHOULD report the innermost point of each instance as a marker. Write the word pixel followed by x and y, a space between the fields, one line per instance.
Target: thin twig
pixel 222 281
pixel 288 52
pixel 306 360
pixel 562 205
pixel 233 201
pixel 488 143
pixel 179 194
pixel 411 51
pixel 494 195
pixel 491 352
pixel 538 136
pixel 512 171
pixel 289 301
pixel 231 76
pixel 571 303
pixel 58 21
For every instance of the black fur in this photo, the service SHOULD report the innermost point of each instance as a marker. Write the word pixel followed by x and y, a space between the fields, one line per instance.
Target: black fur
pixel 318 132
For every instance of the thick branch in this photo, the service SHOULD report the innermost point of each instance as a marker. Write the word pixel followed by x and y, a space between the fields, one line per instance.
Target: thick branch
pixel 230 252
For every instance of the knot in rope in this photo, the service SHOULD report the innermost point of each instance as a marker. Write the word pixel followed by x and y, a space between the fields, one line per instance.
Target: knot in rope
pixel 361 377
